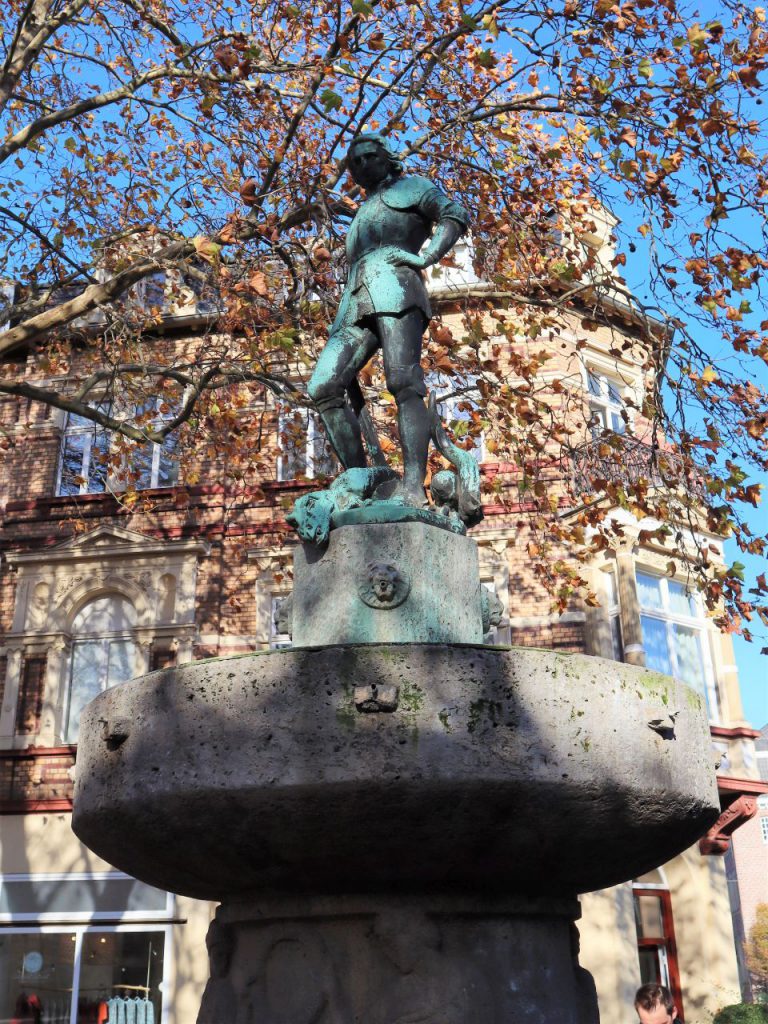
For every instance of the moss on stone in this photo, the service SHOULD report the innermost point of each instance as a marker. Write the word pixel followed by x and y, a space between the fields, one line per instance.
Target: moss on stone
pixel 411 697
pixel 483 709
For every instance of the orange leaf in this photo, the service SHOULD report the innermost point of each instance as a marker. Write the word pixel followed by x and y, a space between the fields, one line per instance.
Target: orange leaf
pixel 258 282
pixel 248 192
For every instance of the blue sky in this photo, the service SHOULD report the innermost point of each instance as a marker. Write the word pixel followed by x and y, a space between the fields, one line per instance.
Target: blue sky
pixel 753 666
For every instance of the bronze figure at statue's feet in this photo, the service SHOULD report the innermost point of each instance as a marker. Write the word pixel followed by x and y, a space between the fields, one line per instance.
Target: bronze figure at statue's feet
pixel 385 306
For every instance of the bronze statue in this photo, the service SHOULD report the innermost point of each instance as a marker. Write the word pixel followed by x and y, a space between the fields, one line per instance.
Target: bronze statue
pixel 385 305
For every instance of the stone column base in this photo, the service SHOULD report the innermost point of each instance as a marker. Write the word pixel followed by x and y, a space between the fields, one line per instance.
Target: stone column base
pixel 397 960
pixel 387 583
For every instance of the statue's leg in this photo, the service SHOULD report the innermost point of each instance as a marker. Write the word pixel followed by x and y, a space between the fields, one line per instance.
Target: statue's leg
pixel 344 355
pixel 401 344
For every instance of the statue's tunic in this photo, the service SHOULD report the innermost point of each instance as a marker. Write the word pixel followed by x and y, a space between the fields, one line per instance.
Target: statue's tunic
pixel 400 216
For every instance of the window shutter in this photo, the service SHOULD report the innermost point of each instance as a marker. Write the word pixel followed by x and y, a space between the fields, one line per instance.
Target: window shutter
pixel 30 706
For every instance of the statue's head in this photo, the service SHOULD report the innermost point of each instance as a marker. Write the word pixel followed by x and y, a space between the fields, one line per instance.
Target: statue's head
pixel 371 160
pixel 311 516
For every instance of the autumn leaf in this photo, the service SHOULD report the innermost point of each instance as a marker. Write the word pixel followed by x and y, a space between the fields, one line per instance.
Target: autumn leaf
pixel 248 191
pixel 205 248
pixel 258 282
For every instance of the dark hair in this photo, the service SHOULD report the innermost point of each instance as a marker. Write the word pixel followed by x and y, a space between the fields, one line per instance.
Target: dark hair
pixel 649 996
pixel 395 162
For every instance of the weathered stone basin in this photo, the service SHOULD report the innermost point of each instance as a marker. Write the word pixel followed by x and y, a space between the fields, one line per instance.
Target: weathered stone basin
pixel 529 769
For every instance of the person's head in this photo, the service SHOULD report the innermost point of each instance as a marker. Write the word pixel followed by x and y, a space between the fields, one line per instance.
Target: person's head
pixel 371 161
pixel 654 1004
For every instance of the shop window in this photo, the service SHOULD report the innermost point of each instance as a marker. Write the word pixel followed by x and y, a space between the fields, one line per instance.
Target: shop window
pixel 69 968
pixel 657 950
pixel 304 447
pixel 674 637
pixel 87 466
pixel 103 655
pixel 607 408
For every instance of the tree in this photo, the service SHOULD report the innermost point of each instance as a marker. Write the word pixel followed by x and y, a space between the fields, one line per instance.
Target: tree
pixel 756 948
pixel 203 141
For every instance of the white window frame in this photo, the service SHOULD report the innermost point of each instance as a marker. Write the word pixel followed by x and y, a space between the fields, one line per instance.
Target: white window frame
pixel 315 434
pixel 277 641
pixel 81 930
pixel 102 638
pixel 613 611
pixel 602 404
pixel 89 431
pixel 106 636
pixel 86 916
pixel 696 622
pixel 764 830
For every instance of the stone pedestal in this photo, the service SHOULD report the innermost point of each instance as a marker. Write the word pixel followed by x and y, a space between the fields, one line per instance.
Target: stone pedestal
pixel 397 960
pixel 379 820
pixel 406 582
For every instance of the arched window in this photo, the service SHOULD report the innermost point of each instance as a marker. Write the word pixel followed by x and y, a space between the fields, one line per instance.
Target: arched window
pixel 103 654
pixel 657 949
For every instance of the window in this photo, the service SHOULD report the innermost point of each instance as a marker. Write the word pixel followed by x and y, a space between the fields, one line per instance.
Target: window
pixel 103 655
pixel 304 447
pixel 71 966
pixel 457 404
pixel 84 466
pixel 764 829
pixel 657 950
pixel 277 638
pixel 673 634
pixel 150 293
pixel 84 451
pixel 607 409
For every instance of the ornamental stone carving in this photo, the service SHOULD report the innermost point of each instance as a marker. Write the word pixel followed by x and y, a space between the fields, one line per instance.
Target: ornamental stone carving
pixel 384 585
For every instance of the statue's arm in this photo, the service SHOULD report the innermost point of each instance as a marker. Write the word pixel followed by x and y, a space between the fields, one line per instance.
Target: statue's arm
pixel 450 219
pixel 446 235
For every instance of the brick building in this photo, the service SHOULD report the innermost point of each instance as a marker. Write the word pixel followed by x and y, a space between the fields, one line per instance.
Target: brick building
pixel 94 591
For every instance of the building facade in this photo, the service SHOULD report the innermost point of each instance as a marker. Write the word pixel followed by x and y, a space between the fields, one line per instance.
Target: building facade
pixel 95 590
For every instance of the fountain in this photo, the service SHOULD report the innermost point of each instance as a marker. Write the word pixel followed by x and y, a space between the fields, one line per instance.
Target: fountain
pixel 395 819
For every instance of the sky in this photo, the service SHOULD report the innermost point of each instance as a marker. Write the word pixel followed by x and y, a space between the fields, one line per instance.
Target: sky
pixel 752 665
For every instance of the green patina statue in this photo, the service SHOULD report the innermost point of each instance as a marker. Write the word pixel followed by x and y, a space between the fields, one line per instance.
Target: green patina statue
pixel 385 306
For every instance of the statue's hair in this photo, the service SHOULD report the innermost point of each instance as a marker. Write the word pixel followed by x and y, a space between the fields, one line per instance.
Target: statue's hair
pixel 379 140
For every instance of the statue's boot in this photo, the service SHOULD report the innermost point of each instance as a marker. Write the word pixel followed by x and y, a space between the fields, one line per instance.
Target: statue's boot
pixel 343 430
pixel 413 424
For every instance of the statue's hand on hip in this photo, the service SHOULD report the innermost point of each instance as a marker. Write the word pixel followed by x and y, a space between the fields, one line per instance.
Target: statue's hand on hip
pixel 402 258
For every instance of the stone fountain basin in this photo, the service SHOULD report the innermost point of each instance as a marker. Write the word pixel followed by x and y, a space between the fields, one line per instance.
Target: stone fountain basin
pixel 522 768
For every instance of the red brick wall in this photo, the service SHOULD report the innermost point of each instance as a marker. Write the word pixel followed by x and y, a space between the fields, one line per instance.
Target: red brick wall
pixel 751 854
pixel 36 779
